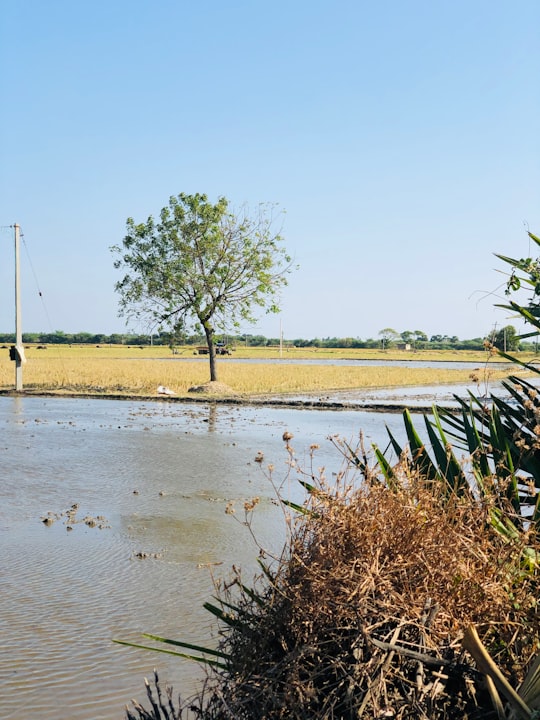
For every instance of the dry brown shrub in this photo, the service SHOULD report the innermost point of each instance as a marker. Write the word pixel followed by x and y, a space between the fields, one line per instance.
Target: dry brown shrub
pixel 365 614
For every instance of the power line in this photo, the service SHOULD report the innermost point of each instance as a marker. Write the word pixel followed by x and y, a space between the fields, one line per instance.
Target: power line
pixel 31 265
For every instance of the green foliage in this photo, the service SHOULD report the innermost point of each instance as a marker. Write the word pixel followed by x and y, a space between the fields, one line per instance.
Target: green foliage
pixel 180 336
pixel 201 264
pixel 206 655
pixel 414 337
pixel 524 275
pixel 500 437
pixel 501 445
pixel 506 338
pixel 389 336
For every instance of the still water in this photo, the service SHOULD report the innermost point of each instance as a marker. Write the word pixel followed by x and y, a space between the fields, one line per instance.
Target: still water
pixel 344 362
pixel 152 480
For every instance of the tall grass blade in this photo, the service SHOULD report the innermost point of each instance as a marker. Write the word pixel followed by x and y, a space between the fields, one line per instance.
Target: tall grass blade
pixel 386 469
pixel 225 617
pixel 420 456
pixel 187 656
pixel 188 646
pixel 302 509
pixel 452 471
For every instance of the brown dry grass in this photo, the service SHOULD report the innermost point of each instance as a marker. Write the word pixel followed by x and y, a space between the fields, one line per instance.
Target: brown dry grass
pixel 368 576
pixel 133 371
pixel 365 612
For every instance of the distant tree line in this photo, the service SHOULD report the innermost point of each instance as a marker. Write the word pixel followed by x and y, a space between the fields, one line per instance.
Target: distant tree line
pixel 61 338
pixel 505 338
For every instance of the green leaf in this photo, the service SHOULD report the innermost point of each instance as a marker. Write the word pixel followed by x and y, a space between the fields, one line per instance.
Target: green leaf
pixel 225 617
pixel 186 645
pixel 421 459
pixel 449 466
pixel 187 656
pixel 387 470
pixel 302 509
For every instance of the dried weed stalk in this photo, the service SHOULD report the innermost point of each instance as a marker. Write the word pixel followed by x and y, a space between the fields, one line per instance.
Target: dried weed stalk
pixel 364 615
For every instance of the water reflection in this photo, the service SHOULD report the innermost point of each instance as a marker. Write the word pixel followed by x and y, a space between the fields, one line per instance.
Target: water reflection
pixel 212 415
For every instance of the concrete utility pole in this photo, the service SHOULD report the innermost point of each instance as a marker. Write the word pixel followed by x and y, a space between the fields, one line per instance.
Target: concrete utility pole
pixel 19 351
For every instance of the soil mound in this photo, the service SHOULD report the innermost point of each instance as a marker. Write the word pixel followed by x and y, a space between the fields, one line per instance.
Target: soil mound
pixel 213 387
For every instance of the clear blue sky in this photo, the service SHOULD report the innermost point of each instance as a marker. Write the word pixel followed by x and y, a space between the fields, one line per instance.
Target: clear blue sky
pixel 401 137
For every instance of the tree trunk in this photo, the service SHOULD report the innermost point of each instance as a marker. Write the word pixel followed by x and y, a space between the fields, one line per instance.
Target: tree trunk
pixel 209 332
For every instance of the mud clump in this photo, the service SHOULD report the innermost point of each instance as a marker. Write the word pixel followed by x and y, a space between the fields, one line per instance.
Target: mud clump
pixel 70 519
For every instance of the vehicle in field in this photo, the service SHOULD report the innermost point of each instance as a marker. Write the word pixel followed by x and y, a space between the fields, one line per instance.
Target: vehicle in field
pixel 221 349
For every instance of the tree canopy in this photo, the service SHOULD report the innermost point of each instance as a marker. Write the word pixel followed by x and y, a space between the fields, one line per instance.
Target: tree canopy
pixel 389 336
pixel 506 338
pixel 201 264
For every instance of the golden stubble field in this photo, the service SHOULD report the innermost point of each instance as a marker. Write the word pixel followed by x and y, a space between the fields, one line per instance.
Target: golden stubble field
pixel 133 370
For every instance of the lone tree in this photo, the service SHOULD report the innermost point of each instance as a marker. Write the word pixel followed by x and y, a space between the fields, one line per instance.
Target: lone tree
pixel 201 264
pixel 389 336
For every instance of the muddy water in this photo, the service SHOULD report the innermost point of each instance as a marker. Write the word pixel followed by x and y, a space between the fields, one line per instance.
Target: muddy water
pixel 152 481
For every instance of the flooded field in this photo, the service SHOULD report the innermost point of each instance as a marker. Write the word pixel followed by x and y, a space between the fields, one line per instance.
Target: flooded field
pixel 111 523
pixel 346 362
